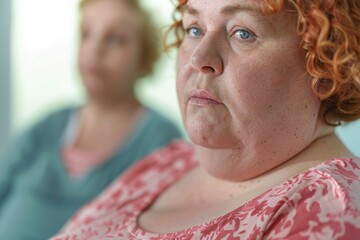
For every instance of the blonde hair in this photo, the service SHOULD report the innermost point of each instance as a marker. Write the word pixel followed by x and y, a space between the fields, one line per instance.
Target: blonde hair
pixel 330 36
pixel 148 35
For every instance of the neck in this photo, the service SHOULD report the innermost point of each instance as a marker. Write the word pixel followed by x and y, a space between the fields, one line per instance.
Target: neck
pixel 325 148
pixel 230 164
pixel 112 99
pixel 95 109
pixel 103 105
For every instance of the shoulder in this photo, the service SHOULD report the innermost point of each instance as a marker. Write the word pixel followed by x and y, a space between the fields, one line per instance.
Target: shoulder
pixel 51 124
pixel 165 164
pixel 59 115
pixel 34 140
pixel 45 126
pixel 176 156
pixel 332 186
pixel 323 201
pixel 154 131
pixel 342 176
pixel 156 119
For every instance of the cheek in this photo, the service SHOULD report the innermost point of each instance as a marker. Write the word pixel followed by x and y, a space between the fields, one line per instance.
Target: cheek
pixel 83 62
pixel 124 62
pixel 274 95
pixel 183 72
pixel 82 56
pixel 266 75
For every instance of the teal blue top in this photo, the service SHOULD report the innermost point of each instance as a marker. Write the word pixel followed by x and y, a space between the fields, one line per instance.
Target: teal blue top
pixel 37 196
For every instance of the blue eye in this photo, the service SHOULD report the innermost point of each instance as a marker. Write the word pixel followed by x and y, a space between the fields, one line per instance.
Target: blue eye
pixel 243 34
pixel 194 31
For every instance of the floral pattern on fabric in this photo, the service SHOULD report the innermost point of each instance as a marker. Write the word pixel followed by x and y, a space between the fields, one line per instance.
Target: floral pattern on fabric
pixel 321 203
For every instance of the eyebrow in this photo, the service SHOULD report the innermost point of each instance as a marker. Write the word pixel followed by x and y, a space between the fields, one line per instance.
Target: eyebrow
pixel 232 9
pixel 227 10
pixel 189 10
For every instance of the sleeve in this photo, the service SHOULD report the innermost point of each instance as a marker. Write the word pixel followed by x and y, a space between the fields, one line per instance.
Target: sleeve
pixel 14 160
pixel 21 153
pixel 323 210
pixel 341 227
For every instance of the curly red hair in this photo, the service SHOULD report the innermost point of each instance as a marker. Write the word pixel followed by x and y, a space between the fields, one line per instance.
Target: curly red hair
pixel 330 37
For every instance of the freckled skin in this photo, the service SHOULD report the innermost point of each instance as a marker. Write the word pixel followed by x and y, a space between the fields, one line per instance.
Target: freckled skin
pixel 263 86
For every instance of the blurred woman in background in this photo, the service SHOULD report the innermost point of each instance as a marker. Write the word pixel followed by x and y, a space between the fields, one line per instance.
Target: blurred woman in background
pixel 70 156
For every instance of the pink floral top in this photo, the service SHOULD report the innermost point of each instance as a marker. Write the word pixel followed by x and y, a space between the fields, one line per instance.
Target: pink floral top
pixel 321 203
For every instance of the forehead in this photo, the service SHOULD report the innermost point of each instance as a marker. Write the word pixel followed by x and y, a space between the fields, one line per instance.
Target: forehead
pixel 222 11
pixel 109 12
pixel 224 7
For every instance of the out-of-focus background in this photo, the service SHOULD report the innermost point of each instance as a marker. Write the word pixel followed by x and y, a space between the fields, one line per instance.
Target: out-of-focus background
pixel 38 66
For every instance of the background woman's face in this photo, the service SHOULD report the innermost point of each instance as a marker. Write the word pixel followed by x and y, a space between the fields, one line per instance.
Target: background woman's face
pixel 109 55
pixel 242 81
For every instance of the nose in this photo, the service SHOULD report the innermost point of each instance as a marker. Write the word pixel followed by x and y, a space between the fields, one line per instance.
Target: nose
pixel 96 49
pixel 92 48
pixel 206 58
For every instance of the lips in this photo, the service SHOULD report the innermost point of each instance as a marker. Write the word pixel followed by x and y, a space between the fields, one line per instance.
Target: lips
pixel 203 97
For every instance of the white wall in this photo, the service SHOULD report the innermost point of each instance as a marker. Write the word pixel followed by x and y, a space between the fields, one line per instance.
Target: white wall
pixel 44 73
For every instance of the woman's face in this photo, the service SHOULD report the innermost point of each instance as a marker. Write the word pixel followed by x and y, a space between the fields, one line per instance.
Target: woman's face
pixel 242 83
pixel 109 55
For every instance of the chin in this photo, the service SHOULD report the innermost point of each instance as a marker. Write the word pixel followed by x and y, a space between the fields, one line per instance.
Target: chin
pixel 95 94
pixel 210 141
pixel 209 136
